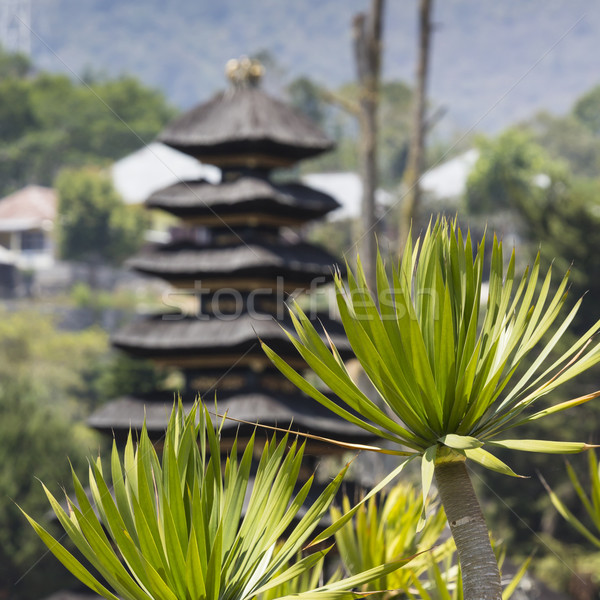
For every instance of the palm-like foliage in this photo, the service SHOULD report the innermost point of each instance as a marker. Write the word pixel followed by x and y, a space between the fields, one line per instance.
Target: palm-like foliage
pixel 308 580
pixel 443 588
pixel 591 502
pixel 378 533
pixel 178 529
pixel 384 528
pixel 443 580
pixel 445 368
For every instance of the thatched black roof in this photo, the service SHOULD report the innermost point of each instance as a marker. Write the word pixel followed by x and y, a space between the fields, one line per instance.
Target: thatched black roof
pixel 244 125
pixel 299 262
pixel 190 341
pixel 292 410
pixel 247 198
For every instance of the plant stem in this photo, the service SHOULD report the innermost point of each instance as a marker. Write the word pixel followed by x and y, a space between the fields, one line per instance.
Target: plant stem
pixel 480 573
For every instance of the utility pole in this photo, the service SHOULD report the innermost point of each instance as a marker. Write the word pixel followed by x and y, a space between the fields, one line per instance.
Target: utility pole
pixel 15 26
pixel 416 152
pixel 367 34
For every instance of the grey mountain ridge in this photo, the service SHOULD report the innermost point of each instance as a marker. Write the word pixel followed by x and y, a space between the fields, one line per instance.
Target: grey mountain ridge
pixel 493 63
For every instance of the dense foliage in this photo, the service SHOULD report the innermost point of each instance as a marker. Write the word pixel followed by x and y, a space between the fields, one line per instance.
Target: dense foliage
pixel 93 223
pixel 540 185
pixel 36 438
pixel 179 526
pixel 46 378
pixel 49 121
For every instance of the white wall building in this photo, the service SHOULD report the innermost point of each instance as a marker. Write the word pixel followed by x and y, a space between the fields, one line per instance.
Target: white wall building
pixel 27 220
pixel 156 166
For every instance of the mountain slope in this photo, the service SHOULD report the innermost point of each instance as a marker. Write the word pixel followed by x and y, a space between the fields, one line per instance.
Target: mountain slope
pixel 492 63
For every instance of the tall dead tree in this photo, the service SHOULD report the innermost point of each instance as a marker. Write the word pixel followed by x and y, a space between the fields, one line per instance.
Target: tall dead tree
pixel 367 31
pixel 414 168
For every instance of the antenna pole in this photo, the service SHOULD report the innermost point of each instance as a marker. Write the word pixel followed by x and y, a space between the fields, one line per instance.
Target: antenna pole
pixel 15 26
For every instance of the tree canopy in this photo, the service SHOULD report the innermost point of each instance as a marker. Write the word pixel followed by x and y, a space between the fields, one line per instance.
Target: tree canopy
pixel 41 413
pixel 541 182
pixel 511 171
pixel 587 110
pixel 554 210
pixel 333 111
pixel 49 121
pixel 93 222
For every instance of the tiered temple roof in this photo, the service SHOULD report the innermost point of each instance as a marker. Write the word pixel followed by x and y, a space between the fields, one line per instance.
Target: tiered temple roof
pixel 253 264
pixel 237 263
pixel 247 200
pixel 245 126
pixel 204 340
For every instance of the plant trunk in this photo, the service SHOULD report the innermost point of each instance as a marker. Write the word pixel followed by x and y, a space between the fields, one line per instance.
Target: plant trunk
pixel 480 573
pixel 416 151
pixel 367 33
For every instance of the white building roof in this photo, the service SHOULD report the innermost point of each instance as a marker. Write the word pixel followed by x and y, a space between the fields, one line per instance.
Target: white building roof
pixel 32 207
pixel 346 188
pixel 156 166
pixel 449 180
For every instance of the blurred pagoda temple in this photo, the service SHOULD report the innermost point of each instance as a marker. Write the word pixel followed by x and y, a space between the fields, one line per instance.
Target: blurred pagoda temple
pixel 235 258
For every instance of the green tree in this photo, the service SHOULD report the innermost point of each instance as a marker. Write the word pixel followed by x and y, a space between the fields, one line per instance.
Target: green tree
pixel 567 225
pixel 587 110
pixel 33 348
pixel 16 112
pixel 36 437
pixel 550 209
pixel 47 377
pixel 125 375
pixel 93 223
pixel 560 220
pixel 567 139
pixel 49 121
pixel 115 117
pixel 511 171
pixel 394 130
pixel 449 373
pixel 335 112
pixel 307 96
pixel 14 64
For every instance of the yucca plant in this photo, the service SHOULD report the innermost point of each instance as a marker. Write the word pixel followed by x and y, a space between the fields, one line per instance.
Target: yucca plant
pixel 380 531
pixel 446 368
pixel 308 580
pixel 591 502
pixel 443 581
pixel 182 529
pixel 386 527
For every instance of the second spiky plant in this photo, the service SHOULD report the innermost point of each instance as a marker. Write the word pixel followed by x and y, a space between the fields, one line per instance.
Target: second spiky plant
pixel 181 528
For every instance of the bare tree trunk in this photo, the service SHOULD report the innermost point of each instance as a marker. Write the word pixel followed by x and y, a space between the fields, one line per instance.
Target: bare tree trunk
pixel 480 573
pixel 367 32
pixel 417 140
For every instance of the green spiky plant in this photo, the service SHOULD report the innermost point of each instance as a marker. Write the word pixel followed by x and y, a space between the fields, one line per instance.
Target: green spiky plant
pixel 591 502
pixel 379 531
pixel 443 581
pixel 386 527
pixel 308 580
pixel 175 530
pixel 447 370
